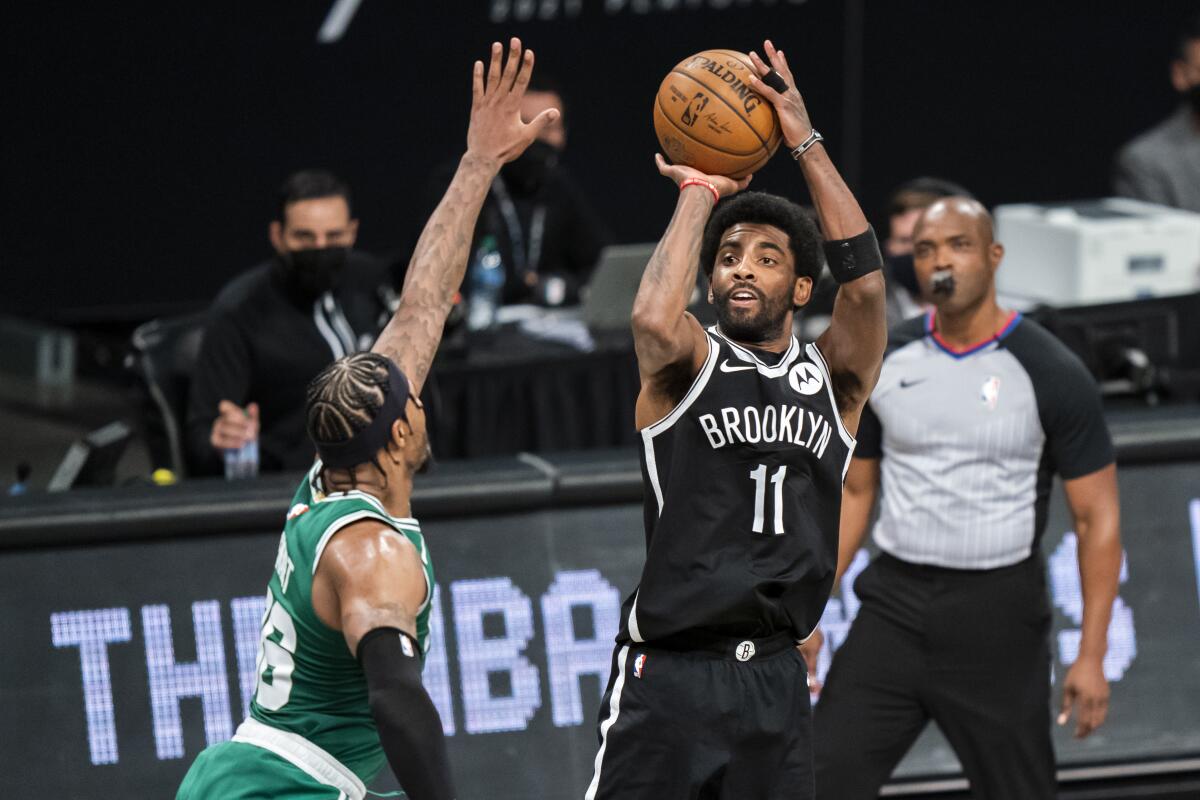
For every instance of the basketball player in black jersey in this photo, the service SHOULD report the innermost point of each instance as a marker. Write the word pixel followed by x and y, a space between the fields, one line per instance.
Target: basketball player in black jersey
pixel 746 438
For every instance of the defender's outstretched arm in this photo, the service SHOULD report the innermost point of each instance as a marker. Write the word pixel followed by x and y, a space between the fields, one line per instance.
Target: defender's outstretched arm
pixel 495 136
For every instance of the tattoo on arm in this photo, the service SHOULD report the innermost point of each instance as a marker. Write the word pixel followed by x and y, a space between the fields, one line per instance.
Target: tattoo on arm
pixel 436 271
pixel 667 283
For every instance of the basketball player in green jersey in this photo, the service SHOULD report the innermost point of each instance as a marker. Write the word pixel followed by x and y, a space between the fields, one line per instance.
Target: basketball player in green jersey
pixel 346 626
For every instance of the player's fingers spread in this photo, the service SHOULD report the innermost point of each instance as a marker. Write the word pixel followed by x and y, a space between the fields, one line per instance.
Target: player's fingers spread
pixel 757 84
pixel 477 83
pixel 785 70
pixel 493 76
pixel 524 74
pixel 769 49
pixel 762 68
pixel 778 62
pixel 512 63
pixel 542 120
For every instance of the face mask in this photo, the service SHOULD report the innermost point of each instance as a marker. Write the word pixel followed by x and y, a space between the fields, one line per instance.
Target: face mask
pixel 313 272
pixel 1192 96
pixel 900 269
pixel 528 172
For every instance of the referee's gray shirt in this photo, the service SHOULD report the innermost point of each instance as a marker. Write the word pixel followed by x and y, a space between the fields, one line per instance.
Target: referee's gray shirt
pixel 970 440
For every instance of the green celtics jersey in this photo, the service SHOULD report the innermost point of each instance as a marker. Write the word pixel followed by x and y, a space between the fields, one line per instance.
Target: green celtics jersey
pixel 309 683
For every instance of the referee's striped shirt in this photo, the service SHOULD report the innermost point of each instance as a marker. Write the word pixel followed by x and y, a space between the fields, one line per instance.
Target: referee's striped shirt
pixel 970 440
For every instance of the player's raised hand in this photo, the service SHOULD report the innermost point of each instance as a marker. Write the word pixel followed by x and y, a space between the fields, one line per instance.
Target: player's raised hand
pixel 496 132
pixel 789 105
pixel 679 173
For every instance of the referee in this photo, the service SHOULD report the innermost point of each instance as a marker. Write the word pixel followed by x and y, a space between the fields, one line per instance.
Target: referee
pixel 975 410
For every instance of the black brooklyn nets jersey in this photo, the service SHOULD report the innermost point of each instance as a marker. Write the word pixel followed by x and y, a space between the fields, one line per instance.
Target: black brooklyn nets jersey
pixel 743 483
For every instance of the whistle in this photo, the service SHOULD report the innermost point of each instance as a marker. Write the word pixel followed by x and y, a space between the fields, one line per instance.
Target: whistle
pixel 942 283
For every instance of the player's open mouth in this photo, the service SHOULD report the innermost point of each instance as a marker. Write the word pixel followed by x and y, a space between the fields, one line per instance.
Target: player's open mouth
pixel 743 297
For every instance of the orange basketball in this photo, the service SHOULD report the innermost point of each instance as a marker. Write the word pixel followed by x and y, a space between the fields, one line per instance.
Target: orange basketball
pixel 707 116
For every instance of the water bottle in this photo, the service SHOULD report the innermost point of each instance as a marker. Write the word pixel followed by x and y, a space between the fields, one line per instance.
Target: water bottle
pixel 487 285
pixel 242 462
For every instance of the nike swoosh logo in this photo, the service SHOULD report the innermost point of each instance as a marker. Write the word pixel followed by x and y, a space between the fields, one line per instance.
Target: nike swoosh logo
pixel 904 384
pixel 725 367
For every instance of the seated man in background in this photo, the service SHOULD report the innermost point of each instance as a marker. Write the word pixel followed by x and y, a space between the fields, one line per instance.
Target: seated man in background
pixel 536 217
pixel 273 328
pixel 1163 164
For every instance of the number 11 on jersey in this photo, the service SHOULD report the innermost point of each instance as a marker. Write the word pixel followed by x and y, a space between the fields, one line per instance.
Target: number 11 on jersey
pixel 759 476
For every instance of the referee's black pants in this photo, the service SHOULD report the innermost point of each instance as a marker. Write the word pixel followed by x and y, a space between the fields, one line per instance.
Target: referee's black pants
pixel 968 649
pixel 711 722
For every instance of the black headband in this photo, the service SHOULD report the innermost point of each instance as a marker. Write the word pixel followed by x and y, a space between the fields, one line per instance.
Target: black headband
pixel 362 446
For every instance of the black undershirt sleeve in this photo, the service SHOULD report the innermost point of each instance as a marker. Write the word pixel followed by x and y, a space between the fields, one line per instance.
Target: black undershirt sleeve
pixel 410 729
pixel 869 436
pixel 1068 400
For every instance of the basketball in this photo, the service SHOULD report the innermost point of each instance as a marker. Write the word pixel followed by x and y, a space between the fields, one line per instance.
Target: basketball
pixel 707 116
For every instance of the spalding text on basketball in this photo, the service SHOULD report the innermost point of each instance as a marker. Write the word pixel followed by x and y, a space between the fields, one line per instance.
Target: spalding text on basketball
pixel 750 100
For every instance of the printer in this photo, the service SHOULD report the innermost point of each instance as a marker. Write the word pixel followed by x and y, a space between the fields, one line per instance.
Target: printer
pixel 1095 251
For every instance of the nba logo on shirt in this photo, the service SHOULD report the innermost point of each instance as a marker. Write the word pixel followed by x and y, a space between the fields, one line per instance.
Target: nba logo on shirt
pixel 639 664
pixel 990 393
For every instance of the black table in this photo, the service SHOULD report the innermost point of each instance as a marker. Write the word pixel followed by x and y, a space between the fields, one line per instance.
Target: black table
pixel 509 393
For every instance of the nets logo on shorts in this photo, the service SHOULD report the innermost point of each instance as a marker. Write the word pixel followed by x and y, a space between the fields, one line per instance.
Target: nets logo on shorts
pixel 744 651
pixel 639 664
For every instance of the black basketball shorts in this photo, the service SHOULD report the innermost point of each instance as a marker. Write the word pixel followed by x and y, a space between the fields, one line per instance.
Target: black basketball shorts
pixel 722 719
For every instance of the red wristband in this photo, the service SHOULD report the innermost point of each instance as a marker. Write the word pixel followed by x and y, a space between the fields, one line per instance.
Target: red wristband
pixel 706 184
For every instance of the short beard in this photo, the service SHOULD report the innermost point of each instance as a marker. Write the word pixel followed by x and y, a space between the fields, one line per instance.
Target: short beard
pixel 427 462
pixel 767 324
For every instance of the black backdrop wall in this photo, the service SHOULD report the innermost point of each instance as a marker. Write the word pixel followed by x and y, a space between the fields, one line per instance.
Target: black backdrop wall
pixel 144 142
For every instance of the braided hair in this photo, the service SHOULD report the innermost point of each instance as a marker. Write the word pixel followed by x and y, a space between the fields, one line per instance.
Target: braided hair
pixel 344 398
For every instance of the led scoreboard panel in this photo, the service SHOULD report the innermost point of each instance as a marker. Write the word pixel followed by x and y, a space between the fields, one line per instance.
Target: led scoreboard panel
pixel 121 661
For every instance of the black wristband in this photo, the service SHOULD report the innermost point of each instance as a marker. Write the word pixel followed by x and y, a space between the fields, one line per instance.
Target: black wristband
pixel 850 259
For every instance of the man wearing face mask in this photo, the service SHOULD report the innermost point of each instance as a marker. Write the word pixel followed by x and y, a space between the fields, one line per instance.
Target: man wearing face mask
pixel 273 328
pixel 1163 164
pixel 545 230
